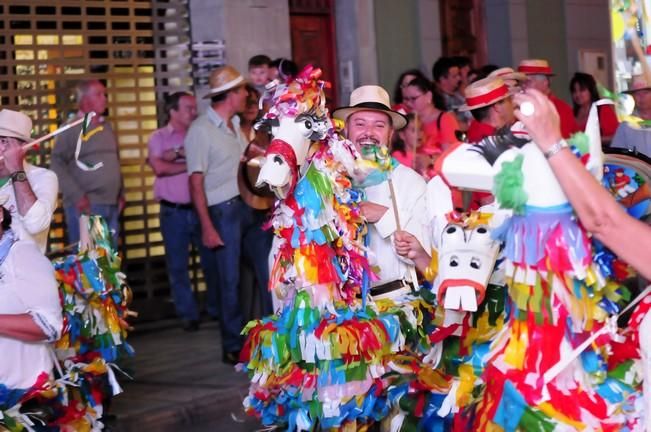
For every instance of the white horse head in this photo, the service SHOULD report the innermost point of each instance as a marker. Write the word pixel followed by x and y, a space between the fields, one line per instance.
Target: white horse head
pixel 296 118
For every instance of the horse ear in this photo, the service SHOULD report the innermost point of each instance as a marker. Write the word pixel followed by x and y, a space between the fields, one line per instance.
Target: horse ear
pixel 596 162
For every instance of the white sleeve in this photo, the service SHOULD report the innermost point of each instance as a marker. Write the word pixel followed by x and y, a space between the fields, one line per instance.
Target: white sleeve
pixel 45 186
pixel 37 288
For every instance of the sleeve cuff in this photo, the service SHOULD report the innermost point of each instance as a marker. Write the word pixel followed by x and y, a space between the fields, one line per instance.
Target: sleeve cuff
pixel 387 224
pixel 51 333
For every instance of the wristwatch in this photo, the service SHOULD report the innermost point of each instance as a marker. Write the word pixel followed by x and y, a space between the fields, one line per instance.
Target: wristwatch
pixel 19 176
pixel 560 145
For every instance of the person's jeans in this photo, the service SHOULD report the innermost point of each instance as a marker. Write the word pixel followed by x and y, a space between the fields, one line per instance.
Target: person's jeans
pixel 236 224
pixel 180 228
pixel 109 212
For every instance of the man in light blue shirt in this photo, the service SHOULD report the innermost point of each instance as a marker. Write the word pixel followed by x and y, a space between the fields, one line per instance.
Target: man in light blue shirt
pixel 214 146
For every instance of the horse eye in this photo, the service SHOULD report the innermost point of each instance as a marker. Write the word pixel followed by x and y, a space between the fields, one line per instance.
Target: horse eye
pixel 278 160
pixel 308 124
pixel 475 263
pixel 454 261
pixel 482 230
pixel 451 229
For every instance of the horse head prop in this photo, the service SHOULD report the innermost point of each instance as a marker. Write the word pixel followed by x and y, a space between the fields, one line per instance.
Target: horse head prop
pixel 297 116
pixel 514 169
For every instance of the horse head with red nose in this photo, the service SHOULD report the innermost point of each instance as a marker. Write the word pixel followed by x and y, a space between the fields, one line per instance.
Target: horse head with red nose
pixel 296 118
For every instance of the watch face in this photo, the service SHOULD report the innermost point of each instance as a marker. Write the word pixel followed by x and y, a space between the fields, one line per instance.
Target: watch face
pixel 19 176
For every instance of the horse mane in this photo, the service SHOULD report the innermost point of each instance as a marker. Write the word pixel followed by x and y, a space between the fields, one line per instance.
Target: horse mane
pixel 493 146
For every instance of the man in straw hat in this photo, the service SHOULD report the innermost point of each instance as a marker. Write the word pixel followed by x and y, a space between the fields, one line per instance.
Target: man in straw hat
pixel 214 145
pixel 395 190
pixel 538 74
pixel 91 182
pixel 489 101
pixel 636 139
pixel 31 191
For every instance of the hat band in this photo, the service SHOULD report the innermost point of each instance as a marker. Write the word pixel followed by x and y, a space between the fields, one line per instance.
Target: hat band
pixel 229 85
pixel 372 105
pixel 487 97
pixel 545 70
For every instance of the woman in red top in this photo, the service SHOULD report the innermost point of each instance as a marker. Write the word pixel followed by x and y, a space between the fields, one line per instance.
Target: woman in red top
pixel 584 92
pixel 439 126
pixel 398 92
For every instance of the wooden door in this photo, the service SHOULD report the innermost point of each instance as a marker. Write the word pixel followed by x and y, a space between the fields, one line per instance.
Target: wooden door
pixel 313 43
pixel 462 29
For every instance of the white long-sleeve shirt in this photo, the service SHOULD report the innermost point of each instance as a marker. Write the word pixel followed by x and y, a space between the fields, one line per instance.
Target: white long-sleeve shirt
pixel 410 190
pixel 28 285
pixel 35 224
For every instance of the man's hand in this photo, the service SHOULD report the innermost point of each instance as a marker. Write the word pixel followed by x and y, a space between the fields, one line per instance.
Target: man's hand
pixel 14 155
pixel 373 212
pixel 83 205
pixel 408 246
pixel 122 203
pixel 211 238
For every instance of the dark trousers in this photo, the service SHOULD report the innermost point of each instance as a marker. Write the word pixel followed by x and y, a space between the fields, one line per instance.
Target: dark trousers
pixel 240 227
pixel 180 228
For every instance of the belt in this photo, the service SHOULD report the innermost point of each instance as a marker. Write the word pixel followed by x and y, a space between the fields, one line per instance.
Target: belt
pixel 387 287
pixel 176 205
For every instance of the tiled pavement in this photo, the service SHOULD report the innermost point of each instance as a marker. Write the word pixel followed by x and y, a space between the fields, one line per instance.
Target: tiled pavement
pixel 180 384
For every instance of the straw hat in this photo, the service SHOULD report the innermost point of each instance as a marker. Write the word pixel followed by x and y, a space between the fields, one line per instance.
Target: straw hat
pixel 509 76
pixel 535 67
pixel 15 124
pixel 484 92
pixel 638 83
pixel 370 98
pixel 223 79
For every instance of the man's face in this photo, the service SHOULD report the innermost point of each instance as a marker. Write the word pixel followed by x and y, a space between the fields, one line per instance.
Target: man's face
pixel 259 75
pixel 369 128
pixel 94 99
pixel 187 111
pixel 238 98
pixel 538 82
pixel 450 83
pixel 643 100
pixel 505 111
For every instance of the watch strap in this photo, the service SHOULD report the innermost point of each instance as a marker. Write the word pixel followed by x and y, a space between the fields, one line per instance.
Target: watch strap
pixel 560 145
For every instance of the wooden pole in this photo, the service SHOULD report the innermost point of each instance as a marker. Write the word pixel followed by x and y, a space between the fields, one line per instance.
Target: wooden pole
pixel 394 204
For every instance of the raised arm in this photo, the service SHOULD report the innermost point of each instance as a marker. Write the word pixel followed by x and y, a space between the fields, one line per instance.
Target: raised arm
pixel 597 209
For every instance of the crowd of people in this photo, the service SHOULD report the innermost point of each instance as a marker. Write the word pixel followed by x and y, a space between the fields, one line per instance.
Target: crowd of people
pixel 197 159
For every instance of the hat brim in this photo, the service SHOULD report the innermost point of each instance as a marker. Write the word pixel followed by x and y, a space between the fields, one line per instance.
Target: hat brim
pixel 398 120
pixel 515 76
pixel 465 107
pixel 631 91
pixel 4 132
pixel 237 82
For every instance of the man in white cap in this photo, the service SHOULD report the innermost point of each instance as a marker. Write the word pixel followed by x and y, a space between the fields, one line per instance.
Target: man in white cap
pixel 213 147
pixel 392 189
pixel 636 139
pixel 31 190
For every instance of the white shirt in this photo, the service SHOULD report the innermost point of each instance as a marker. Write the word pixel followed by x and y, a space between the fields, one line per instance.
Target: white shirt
pixel 28 285
pixel 35 224
pixel 410 190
